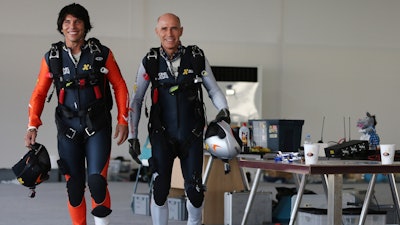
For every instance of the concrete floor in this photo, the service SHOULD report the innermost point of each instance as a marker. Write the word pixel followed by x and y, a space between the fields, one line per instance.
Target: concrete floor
pixel 49 206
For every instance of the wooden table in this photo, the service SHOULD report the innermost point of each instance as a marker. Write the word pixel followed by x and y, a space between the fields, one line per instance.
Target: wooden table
pixel 333 171
pixel 216 182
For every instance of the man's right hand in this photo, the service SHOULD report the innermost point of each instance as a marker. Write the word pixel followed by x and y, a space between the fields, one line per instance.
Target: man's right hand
pixel 30 137
pixel 134 149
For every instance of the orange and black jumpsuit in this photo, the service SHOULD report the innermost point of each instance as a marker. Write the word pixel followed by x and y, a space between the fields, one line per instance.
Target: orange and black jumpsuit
pixel 83 121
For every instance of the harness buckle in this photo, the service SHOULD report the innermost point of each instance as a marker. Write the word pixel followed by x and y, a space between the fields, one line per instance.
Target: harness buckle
pixel 54 53
pixel 196 51
pixel 198 80
pixel 93 81
pixel 89 133
pixel 152 54
pixel 70 133
pixel 93 47
pixel 197 132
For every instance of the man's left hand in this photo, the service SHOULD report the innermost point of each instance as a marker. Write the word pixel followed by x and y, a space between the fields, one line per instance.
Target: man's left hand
pixel 121 132
pixel 223 114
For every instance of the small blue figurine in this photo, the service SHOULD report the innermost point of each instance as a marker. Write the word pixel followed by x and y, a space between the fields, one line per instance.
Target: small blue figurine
pixel 367 129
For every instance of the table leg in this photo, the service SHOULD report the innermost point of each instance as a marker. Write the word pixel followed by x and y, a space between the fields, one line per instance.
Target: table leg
pixel 367 199
pixel 395 193
pixel 324 178
pixel 335 183
pixel 207 170
pixel 244 179
pixel 297 179
pixel 251 196
pixel 296 205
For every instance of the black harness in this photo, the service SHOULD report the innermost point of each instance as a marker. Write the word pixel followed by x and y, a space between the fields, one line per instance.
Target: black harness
pixel 156 124
pixel 95 78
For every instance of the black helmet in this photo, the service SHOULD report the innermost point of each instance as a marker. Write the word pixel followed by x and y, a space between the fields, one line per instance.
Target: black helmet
pixel 33 168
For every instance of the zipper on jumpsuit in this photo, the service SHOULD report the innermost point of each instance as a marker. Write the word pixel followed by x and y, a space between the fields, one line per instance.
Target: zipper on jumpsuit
pixel 76 101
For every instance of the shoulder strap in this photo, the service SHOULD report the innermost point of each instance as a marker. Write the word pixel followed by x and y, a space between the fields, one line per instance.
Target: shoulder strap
pixel 198 60
pixel 55 64
pixel 98 69
pixel 55 60
pixel 97 60
pixel 152 64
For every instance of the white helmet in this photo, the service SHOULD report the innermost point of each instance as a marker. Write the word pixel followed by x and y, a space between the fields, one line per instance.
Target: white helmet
pixel 220 141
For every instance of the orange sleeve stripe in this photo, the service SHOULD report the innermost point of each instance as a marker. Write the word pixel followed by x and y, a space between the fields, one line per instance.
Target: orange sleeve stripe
pixel 120 89
pixel 39 94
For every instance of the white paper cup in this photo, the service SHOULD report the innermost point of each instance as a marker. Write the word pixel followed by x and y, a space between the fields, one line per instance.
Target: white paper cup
pixel 387 153
pixel 311 152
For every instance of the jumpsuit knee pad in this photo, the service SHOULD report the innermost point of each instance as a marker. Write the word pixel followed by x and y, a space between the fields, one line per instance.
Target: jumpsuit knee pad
pixel 98 187
pixel 195 190
pixel 76 191
pixel 195 196
pixel 160 189
pixel 101 211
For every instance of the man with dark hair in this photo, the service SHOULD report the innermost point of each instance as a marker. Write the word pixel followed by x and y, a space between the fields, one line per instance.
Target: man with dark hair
pixel 82 71
pixel 177 118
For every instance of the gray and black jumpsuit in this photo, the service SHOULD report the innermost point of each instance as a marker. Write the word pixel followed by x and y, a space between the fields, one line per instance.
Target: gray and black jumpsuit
pixel 175 113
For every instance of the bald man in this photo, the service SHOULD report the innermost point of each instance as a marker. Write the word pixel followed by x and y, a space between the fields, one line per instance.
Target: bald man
pixel 177 118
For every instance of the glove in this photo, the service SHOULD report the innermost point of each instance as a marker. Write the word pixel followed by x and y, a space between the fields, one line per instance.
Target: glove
pixel 134 149
pixel 223 114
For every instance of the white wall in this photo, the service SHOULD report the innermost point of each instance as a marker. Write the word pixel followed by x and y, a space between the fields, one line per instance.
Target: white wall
pixel 345 56
pixel 332 58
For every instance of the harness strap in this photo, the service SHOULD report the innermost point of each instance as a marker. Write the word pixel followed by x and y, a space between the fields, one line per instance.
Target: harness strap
pixel 55 58
pixel 198 60
pixel 81 80
pixel 152 66
pixel 198 63
pixel 92 116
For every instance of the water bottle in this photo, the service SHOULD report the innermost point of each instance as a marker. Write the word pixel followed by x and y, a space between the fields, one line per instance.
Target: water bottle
pixel 244 135
pixel 307 139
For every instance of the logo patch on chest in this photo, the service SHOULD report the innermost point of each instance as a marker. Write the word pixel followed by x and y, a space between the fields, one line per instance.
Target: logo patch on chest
pixel 86 67
pixel 187 71
pixel 162 76
pixel 66 71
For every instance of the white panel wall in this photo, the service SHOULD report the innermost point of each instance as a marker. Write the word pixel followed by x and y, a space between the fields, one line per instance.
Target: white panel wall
pixel 344 55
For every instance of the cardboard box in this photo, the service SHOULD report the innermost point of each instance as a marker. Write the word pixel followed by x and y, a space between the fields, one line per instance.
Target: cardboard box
pixel 235 205
pixel 319 201
pixel 141 204
pixel 114 167
pixel 314 216
pixel 177 208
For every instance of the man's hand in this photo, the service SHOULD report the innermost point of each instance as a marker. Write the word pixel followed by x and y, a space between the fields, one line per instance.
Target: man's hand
pixel 30 137
pixel 223 114
pixel 134 149
pixel 121 132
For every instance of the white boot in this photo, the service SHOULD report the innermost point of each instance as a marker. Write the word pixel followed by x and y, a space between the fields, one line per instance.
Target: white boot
pixel 159 214
pixel 194 214
pixel 102 220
